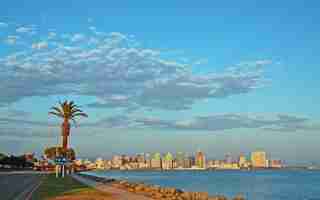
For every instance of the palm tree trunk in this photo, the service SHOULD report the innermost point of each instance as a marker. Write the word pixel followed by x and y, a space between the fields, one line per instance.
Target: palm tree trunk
pixel 65 133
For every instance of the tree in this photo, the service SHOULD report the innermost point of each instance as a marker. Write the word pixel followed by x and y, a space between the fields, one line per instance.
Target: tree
pixel 51 152
pixel 67 111
pixel 2 156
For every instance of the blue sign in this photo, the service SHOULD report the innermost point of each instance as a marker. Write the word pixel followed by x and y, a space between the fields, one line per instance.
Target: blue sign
pixel 60 160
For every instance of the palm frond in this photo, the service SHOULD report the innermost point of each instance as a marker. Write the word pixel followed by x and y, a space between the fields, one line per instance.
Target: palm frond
pixel 76 111
pixel 80 114
pixel 57 109
pixel 67 110
pixel 56 114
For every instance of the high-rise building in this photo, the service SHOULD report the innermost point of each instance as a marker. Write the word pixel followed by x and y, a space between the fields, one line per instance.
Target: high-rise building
pixel 228 159
pixel 242 161
pixel 167 161
pixel 275 164
pixel 259 159
pixel 180 160
pixel 100 163
pixel 148 160
pixel 141 158
pixel 116 161
pixel 188 162
pixel 200 160
pixel 156 161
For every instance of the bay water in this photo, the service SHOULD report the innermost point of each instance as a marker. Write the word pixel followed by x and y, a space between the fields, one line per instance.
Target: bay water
pixel 255 185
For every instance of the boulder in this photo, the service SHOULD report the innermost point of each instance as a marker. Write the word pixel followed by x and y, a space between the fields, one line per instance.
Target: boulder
pixel 187 195
pixel 202 195
pixel 239 197
pixel 218 197
pixel 139 188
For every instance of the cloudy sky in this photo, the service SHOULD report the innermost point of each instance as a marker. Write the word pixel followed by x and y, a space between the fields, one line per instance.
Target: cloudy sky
pixel 171 76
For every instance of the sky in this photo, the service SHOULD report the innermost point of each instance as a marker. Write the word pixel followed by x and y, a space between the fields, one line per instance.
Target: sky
pixel 220 77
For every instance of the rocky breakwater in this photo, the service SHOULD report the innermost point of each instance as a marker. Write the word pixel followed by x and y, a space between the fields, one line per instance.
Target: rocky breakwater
pixel 159 193
pixel 167 193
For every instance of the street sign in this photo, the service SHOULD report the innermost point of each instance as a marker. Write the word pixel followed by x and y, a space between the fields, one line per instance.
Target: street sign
pixel 60 160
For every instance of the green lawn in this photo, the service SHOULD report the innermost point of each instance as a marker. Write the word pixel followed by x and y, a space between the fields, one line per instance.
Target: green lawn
pixel 52 187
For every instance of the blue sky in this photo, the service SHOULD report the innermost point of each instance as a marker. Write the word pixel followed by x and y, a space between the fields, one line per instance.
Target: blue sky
pixel 225 77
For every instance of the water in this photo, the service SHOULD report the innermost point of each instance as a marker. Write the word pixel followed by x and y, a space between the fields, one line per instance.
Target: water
pixel 256 185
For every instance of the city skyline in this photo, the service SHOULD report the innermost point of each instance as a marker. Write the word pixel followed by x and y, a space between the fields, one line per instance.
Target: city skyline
pixel 170 76
pixel 183 161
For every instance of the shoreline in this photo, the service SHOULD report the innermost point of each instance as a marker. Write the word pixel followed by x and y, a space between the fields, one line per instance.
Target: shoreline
pixel 155 191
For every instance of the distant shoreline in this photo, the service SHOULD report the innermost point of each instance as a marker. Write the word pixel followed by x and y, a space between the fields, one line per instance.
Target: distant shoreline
pixel 202 170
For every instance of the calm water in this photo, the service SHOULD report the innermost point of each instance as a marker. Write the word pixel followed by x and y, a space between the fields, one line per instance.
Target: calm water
pixel 256 185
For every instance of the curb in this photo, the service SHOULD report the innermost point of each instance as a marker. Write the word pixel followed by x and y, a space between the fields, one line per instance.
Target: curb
pixel 30 193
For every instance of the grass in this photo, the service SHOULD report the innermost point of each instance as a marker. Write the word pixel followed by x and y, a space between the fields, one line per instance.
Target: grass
pixel 67 188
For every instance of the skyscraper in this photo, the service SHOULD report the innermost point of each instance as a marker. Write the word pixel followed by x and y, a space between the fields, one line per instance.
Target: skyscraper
pixel 242 162
pixel 180 160
pixel 200 160
pixel 228 159
pixel 156 161
pixel 259 159
pixel 167 161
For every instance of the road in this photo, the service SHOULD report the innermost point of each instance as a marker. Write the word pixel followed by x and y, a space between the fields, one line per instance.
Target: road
pixel 17 185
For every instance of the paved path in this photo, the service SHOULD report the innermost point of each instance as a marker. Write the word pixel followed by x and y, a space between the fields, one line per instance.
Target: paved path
pixel 117 193
pixel 17 185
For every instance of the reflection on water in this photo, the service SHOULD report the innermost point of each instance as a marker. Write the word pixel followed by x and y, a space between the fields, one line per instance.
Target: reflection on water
pixel 257 185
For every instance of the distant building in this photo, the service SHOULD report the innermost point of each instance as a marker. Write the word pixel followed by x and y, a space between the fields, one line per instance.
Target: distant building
pixel 180 160
pixel 188 162
pixel 200 160
pixel 242 162
pixel 148 160
pixel 156 161
pixel 167 161
pixel 100 163
pixel 259 159
pixel 125 159
pixel 228 159
pixel 226 165
pixel 275 164
pixel 141 158
pixel 117 161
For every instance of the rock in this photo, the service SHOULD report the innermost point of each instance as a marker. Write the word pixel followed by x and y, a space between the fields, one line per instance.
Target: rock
pixel 218 197
pixel 202 196
pixel 172 191
pixel 157 195
pixel 186 196
pixel 139 188
pixel 123 182
pixel 239 197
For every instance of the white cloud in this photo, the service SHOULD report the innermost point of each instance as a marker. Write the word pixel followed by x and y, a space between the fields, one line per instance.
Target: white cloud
pixel 201 61
pixel 3 25
pixel 51 35
pixel 40 45
pixel 24 29
pixel 110 68
pixel 77 37
pixel 92 28
pixel 220 122
pixel 12 39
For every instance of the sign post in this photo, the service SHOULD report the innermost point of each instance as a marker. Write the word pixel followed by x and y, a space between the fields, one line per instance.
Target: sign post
pixel 60 164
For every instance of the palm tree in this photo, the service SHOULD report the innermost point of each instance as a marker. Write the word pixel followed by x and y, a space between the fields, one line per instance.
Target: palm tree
pixel 67 111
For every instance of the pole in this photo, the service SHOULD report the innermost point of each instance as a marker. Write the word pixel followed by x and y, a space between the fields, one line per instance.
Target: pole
pixel 57 171
pixel 62 171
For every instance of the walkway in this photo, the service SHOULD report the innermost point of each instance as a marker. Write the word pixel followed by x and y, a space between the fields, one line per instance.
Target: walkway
pixel 117 193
